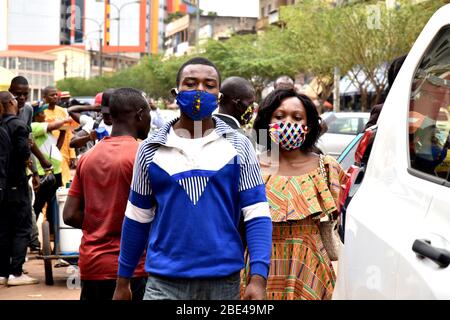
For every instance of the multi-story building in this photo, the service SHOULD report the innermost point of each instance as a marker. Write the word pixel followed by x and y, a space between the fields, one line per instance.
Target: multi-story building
pixel 38 68
pixel 71 62
pixel 180 34
pixel 81 33
pixel 269 11
pixel 124 26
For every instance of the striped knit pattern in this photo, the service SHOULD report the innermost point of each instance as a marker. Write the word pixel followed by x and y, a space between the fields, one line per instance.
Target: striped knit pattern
pixel 250 176
pixel 194 187
pixel 300 267
pixel 141 182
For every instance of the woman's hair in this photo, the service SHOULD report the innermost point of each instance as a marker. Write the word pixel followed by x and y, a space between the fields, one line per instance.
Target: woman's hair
pixel 273 101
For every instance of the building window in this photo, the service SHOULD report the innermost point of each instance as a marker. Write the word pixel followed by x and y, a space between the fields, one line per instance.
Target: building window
pixel 262 12
pixel 12 63
pixel 429 110
pixel 35 94
pixel 37 65
pixel 269 8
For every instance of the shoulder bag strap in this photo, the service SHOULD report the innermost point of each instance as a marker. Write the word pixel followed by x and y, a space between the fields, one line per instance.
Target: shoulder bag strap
pixel 324 174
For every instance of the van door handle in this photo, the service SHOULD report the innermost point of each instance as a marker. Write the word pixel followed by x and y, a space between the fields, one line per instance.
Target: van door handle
pixel 424 249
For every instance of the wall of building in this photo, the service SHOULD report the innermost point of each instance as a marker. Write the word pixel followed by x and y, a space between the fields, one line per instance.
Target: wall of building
pixel 3 25
pixel 78 63
pixel 60 22
pixel 37 68
pixel 130 23
pixel 173 6
pixel 180 34
pixel 218 27
pixel 94 13
pixel 34 23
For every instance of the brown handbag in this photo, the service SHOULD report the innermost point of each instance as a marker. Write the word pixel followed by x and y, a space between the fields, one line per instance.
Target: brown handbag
pixel 329 229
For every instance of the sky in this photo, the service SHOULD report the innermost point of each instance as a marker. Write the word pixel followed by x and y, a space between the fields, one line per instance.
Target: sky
pixel 236 8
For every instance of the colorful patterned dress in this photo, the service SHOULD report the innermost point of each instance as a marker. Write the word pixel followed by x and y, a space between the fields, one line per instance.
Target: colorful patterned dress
pixel 300 267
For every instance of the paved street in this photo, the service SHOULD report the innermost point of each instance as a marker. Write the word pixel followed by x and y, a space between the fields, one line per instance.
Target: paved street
pixel 35 269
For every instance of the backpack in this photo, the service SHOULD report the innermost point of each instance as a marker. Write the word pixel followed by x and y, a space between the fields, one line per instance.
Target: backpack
pixel 5 152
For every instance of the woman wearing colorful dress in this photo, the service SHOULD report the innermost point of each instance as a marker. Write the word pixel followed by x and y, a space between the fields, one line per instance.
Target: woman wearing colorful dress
pixel 299 195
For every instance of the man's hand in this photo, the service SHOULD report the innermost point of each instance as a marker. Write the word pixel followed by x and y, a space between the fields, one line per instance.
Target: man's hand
pixel 256 289
pixel 73 163
pixel 36 180
pixel 93 135
pixel 123 289
pixel 30 140
pixel 45 163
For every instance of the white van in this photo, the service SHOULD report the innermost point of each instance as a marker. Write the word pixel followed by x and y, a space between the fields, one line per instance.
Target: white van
pixel 397 229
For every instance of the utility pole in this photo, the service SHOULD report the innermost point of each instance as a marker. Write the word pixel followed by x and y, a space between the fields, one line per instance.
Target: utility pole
pixel 197 26
pixel 119 9
pixel 336 93
pixel 118 41
pixel 337 77
pixel 100 53
pixel 65 66
pixel 100 44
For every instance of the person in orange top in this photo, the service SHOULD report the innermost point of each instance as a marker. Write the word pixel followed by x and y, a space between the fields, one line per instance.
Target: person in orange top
pixel 53 113
pixel 302 187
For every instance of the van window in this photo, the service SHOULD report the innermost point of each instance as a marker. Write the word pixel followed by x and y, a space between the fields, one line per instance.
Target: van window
pixel 343 125
pixel 429 111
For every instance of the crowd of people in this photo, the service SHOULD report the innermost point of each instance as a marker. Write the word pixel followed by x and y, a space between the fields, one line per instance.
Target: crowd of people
pixel 198 209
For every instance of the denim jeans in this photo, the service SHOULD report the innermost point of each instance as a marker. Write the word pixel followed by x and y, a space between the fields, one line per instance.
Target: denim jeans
pixel 161 288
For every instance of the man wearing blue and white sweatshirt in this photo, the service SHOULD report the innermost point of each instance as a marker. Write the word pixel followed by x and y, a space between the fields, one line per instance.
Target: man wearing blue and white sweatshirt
pixel 192 181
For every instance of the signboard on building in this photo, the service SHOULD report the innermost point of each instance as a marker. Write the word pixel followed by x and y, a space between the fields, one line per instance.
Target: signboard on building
pixel 193 3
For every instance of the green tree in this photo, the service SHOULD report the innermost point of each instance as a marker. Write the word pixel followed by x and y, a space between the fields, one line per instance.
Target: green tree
pixel 357 37
pixel 250 57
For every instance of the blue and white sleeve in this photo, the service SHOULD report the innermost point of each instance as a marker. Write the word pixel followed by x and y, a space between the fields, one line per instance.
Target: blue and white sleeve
pixel 138 216
pixel 253 201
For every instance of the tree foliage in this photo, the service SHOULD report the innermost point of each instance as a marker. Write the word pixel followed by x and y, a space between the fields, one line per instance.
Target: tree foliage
pixel 313 38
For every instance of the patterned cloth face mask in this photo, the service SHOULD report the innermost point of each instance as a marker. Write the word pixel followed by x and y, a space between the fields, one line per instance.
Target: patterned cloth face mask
pixel 197 105
pixel 288 135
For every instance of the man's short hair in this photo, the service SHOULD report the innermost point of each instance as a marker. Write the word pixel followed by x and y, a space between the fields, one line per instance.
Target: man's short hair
pixel 19 80
pixel 237 87
pixel 197 60
pixel 46 90
pixel 126 100
pixel 106 96
pixel 283 79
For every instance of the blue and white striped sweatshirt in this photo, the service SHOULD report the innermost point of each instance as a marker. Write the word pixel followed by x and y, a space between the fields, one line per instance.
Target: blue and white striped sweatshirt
pixel 186 199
